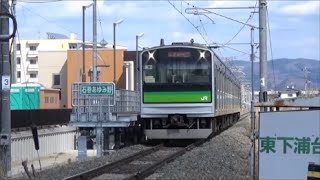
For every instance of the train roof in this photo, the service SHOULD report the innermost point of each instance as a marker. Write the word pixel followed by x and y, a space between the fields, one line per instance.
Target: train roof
pixel 181 44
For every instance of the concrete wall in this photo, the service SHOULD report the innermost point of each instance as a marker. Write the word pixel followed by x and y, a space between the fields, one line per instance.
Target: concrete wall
pixel 50 63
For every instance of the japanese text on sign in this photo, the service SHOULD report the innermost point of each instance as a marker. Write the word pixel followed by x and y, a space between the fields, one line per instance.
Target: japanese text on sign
pixel 303 145
pixel 97 89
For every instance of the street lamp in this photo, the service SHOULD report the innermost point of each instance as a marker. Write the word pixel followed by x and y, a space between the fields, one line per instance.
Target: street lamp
pixel 137 60
pixel 114 49
pixel 83 42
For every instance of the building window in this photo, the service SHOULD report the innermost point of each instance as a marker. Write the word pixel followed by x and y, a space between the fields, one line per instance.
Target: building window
pixel 33 61
pixel 18 60
pixel 56 79
pixel 72 46
pixel 18 74
pixel 46 100
pixel 51 100
pixel 18 47
pixel 33 74
pixel 33 47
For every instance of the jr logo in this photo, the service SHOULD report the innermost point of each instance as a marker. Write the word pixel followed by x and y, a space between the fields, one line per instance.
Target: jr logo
pixel 204 98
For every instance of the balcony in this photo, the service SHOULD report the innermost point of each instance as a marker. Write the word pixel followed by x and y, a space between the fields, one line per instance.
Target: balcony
pixel 33 80
pixel 32 53
pixel 33 67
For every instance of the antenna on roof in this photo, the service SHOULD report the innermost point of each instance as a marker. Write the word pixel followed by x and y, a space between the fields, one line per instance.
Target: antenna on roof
pixel 161 42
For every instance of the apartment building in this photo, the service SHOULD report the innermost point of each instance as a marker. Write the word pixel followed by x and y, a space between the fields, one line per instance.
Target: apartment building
pixel 28 58
pixel 45 62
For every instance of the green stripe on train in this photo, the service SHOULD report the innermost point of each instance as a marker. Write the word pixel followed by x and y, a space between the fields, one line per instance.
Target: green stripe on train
pixel 177 97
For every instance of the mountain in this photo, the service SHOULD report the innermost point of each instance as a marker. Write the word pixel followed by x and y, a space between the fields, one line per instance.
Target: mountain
pixel 283 72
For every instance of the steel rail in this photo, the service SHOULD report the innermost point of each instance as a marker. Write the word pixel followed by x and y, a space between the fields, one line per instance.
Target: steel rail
pixel 105 168
pixel 150 170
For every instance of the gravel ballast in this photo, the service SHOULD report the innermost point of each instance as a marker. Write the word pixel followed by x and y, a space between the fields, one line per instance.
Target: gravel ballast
pixel 63 171
pixel 224 157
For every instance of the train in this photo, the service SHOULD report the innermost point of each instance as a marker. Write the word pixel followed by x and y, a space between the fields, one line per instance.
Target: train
pixel 186 92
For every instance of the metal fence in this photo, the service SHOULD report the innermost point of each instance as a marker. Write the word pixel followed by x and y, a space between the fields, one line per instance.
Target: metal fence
pixel 88 110
pixel 50 141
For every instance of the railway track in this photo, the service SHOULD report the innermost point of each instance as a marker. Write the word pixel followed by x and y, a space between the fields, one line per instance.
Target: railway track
pixel 141 164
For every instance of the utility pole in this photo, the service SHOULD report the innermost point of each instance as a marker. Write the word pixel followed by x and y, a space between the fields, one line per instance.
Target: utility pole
pixel 253 147
pixel 114 54
pixel 99 128
pixel 94 62
pixel 263 96
pixel 306 72
pixel 83 42
pixel 14 49
pixel 5 125
pixel 137 63
pixel 83 45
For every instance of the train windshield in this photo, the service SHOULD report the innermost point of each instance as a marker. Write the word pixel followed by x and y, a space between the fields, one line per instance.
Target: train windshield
pixel 173 66
pixel 177 75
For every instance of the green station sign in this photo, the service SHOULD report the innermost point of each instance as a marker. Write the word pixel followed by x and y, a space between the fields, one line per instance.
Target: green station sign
pixel 97 89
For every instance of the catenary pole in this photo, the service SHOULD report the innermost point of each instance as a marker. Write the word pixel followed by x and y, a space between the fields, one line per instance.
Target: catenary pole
pixel 94 74
pixel 263 96
pixel 83 45
pixel 263 50
pixel 253 147
pixel 5 125
pixel 14 49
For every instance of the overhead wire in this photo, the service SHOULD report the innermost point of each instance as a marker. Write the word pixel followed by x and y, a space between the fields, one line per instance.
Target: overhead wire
pixel 21 60
pixel 249 18
pixel 244 24
pixel 32 11
pixel 188 21
pixel 200 20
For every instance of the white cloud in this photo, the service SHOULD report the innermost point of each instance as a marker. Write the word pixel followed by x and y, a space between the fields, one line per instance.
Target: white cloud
pixel 158 19
pixel 302 8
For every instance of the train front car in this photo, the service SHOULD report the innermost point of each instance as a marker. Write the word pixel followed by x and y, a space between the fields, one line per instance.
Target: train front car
pixel 176 92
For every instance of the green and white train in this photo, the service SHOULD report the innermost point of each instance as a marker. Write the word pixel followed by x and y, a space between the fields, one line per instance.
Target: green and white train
pixel 187 92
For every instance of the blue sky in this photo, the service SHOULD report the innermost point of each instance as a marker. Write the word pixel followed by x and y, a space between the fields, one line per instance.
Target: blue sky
pixel 294 24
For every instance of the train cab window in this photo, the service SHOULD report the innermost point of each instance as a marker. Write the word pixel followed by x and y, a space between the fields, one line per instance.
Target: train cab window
pixel 177 69
pixel 177 65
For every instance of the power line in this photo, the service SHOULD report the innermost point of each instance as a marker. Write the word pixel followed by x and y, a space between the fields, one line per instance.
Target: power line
pixel 32 11
pixel 203 27
pixel 188 21
pixel 244 24
pixel 249 18
pixel 207 11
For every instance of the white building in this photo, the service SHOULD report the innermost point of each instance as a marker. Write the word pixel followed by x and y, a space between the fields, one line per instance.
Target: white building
pixel 28 55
